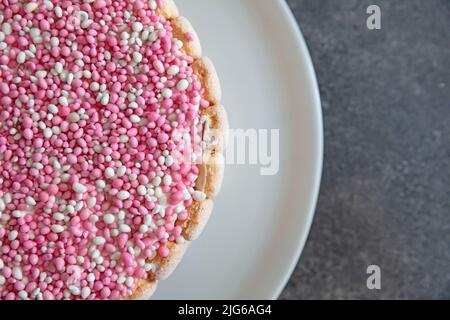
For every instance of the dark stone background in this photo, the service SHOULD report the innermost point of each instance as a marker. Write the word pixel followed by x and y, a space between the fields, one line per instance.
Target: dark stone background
pixel 385 195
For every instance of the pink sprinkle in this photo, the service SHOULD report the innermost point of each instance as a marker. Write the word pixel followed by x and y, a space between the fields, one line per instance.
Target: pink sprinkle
pixel 128 259
pixel 28 134
pixel 163 252
pixel 52 189
pixel 98 4
pixel 163 138
pixel 43 196
pixel 44 25
pixel 106 292
pixel 176 198
pixel 123 238
pixel 59 263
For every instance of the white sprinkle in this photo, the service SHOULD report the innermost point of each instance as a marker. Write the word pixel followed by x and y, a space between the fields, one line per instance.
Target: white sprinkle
pixel 59 67
pixel 149 267
pixel 30 7
pixel 41 74
pixel 74 117
pixel 131 96
pixel 129 282
pixel 137 57
pixel 137 27
pixel 133 105
pixel 182 85
pixel 142 190
pixel 199 196
pixel 54 41
pixel 18 214
pixel 109 218
pixel 94 86
pixel 87 74
pixel 70 209
pixel 63 101
pixel 85 292
pixel 74 290
pixel 121 279
pixel 57 228
pixel 167 180
pixel 105 99
pixel 23 294
pixel 109 172
pixel 115 232
pixel 158 192
pixel 169 161
pixel 153 36
pixel 21 57
pixel 58 216
pixel 156 181
pixel 52 108
pixel 17 273
pixel 48 133
pixel 13 235
pixel 100 184
pixel 157 209
pixel 58 11
pixel 135 118
pixel 79 188
pixel 95 254
pixel 166 93
pixel 65 177
pixel 56 164
pixel 173 70
pixel 123 195
pixel 6 28
pixel 125 228
pixel 141 262
pixel 125 35
pixel 143 229
pixel 98 148
pixel 99 241
pixel 86 23
pixel 121 171
pixel 92 202
pixel 90 277
pixel 148 220
pixel 70 78
pixel 30 201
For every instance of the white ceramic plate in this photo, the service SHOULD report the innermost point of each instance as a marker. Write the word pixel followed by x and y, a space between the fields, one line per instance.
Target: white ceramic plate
pixel 260 223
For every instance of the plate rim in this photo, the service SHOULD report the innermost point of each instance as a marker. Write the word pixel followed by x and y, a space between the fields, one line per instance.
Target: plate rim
pixel 316 107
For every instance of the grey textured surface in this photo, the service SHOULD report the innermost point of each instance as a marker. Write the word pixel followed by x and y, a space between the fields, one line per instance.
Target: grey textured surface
pixel 385 196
